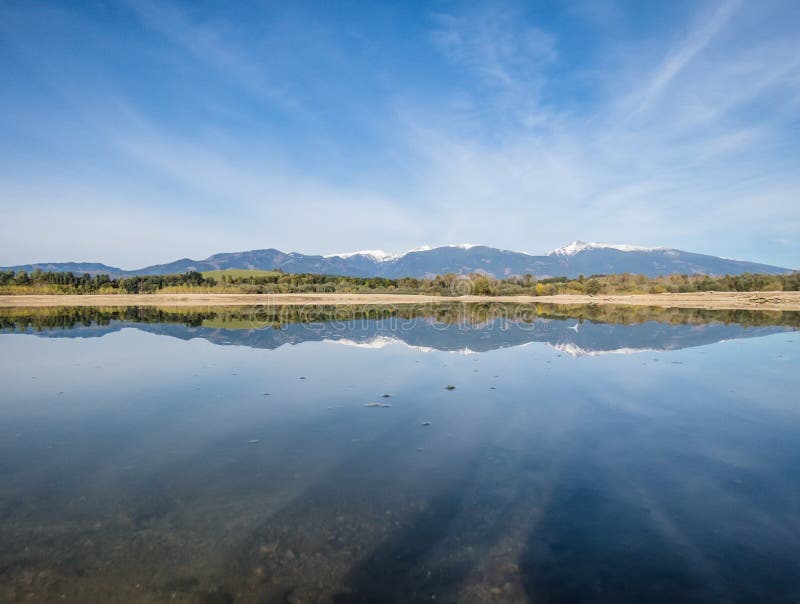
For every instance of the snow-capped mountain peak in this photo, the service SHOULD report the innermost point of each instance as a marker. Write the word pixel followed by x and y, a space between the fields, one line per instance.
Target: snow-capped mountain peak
pixel 579 246
pixel 377 255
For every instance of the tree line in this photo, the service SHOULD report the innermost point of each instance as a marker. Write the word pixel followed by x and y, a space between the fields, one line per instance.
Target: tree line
pixel 277 282
pixel 69 283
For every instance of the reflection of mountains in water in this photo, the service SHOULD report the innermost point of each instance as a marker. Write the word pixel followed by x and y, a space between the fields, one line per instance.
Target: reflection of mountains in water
pixel 569 336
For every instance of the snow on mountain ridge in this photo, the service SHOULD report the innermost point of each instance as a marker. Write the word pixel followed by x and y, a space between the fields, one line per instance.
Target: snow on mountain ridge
pixel 568 250
pixel 381 256
pixel 377 255
pixel 579 246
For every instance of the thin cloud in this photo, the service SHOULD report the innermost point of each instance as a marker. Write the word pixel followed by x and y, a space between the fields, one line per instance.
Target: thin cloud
pixel 488 43
pixel 214 47
pixel 680 57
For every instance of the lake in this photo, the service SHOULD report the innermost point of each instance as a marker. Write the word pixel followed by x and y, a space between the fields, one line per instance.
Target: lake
pixel 456 453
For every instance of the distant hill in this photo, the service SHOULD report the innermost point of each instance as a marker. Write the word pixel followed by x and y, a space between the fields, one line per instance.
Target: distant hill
pixel 577 258
pixel 79 268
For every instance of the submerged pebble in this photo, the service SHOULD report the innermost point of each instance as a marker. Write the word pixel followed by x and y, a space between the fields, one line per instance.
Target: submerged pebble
pixel 267 549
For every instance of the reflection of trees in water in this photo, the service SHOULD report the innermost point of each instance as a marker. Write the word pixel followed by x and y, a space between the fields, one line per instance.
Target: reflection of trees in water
pixel 473 315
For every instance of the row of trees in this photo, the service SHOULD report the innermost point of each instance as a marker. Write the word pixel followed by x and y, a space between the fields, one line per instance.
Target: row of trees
pixel 68 283
pixel 443 285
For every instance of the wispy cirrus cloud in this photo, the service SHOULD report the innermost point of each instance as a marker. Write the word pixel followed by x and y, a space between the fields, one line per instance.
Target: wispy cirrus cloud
pixel 708 26
pixel 496 42
pixel 217 46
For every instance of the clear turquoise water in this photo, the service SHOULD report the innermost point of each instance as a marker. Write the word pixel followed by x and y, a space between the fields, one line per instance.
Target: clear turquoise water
pixel 143 461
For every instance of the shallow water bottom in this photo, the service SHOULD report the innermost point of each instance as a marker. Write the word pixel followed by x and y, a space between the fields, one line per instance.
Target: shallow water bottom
pixel 612 462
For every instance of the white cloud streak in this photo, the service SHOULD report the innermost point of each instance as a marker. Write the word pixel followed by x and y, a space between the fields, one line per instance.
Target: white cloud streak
pixel 677 60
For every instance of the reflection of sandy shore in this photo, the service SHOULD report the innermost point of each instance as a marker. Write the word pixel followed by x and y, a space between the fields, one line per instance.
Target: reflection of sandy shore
pixel 709 300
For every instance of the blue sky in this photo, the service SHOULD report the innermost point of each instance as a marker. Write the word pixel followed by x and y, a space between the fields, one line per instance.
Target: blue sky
pixel 137 132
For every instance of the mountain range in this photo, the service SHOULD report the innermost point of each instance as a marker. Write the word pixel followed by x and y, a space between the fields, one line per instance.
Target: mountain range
pixel 577 258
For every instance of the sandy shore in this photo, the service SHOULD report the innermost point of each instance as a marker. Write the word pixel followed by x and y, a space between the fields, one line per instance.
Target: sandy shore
pixel 708 300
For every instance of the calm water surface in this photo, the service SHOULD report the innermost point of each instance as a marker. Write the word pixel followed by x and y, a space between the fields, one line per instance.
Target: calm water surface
pixel 584 455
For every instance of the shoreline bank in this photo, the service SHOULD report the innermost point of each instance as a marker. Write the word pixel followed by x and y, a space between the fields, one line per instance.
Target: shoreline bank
pixel 706 300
